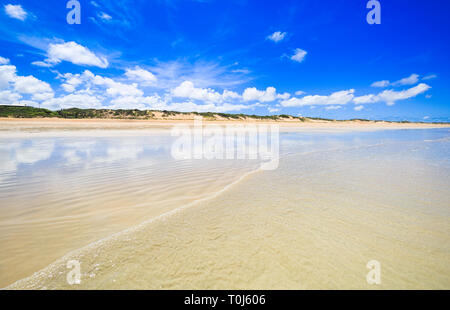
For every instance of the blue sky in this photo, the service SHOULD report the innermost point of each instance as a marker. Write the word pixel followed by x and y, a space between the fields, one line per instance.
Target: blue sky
pixel 310 58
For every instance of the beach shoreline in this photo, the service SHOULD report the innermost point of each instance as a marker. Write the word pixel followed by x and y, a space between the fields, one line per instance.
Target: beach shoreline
pixel 123 209
pixel 56 123
pixel 243 232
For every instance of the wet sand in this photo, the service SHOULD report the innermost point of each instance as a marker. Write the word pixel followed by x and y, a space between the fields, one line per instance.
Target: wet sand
pixel 53 123
pixel 338 200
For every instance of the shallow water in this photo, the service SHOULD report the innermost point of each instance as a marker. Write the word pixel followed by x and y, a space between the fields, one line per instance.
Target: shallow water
pixel 337 200
pixel 58 194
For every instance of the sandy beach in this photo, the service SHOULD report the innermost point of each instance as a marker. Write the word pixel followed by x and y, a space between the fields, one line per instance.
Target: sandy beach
pixel 110 195
pixel 55 123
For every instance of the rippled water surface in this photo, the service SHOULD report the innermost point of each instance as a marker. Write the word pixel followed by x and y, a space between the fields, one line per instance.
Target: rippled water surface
pixel 337 200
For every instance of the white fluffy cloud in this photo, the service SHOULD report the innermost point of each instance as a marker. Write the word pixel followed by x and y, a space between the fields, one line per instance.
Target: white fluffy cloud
pixel 337 98
pixel 7 76
pixel 157 103
pixel 410 80
pixel 228 94
pixel 15 86
pixel 253 94
pixel 73 100
pixel 98 84
pixel 72 81
pixel 116 88
pixel 15 11
pixel 88 90
pixel 209 107
pixel 31 85
pixel 391 96
pixel 429 77
pixel 366 99
pixel 4 61
pixel 130 102
pixel 74 53
pixel 382 84
pixel 43 96
pixel 299 55
pixel 120 89
pixel 41 64
pixel 268 95
pixel 277 36
pixel 141 75
pixel 188 90
pixel 9 98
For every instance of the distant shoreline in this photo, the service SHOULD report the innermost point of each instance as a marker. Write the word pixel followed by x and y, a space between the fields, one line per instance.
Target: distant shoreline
pixel 103 118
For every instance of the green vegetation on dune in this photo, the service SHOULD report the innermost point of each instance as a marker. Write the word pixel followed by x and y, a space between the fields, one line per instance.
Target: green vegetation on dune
pixel 75 113
pixel 25 112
